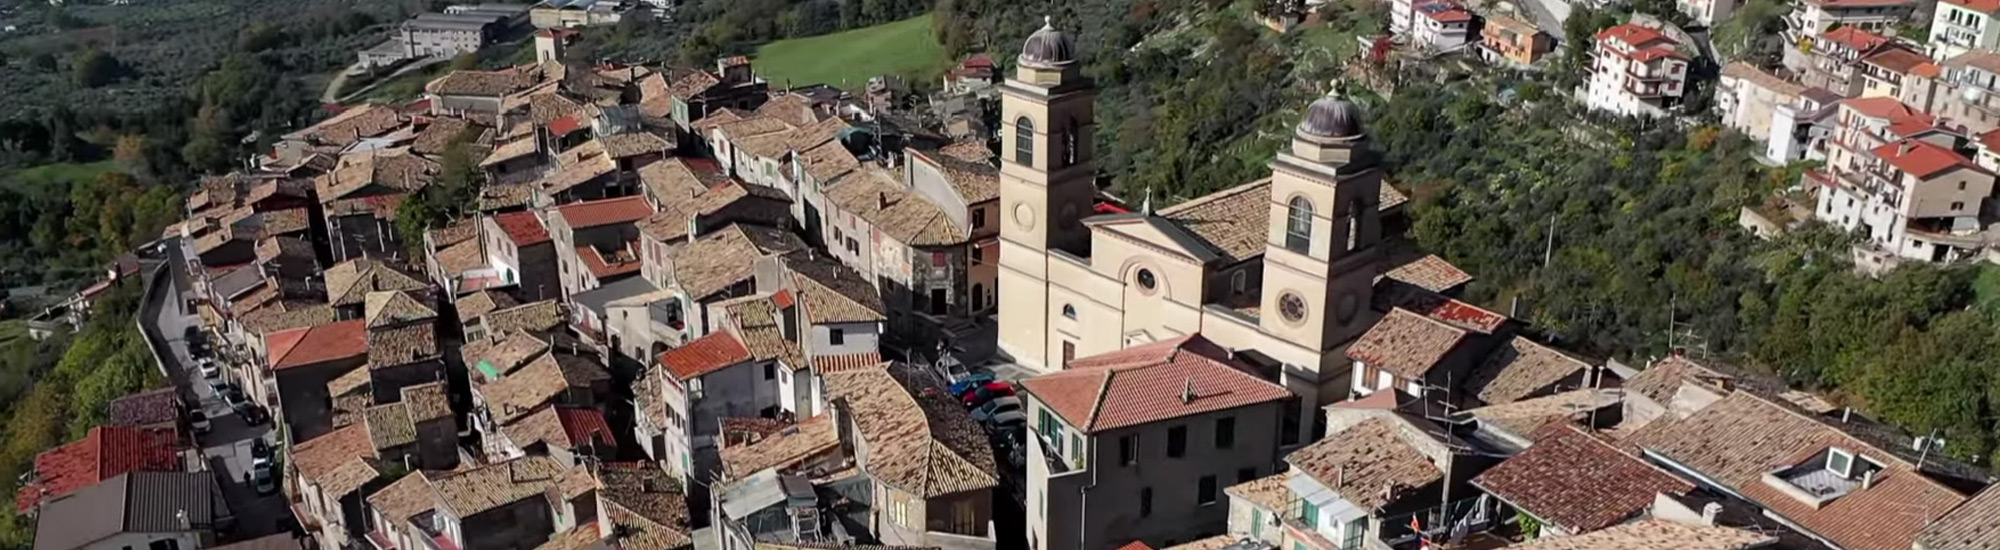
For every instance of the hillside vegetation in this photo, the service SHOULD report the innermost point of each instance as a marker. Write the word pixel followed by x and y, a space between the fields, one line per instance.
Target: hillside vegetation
pixel 848 59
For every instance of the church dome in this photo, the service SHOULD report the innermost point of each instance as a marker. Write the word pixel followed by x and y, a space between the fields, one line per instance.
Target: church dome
pixel 1048 48
pixel 1332 117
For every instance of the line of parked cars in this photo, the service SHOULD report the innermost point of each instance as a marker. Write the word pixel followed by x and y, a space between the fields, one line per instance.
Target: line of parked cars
pixel 211 370
pixel 993 404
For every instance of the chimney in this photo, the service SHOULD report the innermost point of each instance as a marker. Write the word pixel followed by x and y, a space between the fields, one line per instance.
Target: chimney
pixel 882 200
pixel 1187 391
pixel 1709 513
pixel 1868 479
pixel 1846 413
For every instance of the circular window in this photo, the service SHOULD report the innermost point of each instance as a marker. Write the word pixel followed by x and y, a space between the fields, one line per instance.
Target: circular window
pixel 1291 307
pixel 1147 281
pixel 1024 215
pixel 1348 305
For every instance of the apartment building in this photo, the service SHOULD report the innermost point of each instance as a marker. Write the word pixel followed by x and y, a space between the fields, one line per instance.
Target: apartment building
pixel 1833 60
pixel 1440 26
pixel 1137 444
pixel 1748 98
pixel 1968 93
pixel 1901 73
pixel 1635 71
pixel 1810 19
pixel 1513 41
pixel 1921 200
pixel 1959 26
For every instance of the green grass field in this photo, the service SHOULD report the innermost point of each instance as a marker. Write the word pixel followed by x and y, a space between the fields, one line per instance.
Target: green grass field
pixel 848 59
pixel 49 175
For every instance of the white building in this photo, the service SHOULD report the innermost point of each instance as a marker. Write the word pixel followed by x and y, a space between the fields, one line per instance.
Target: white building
pixel 1961 25
pixel 1707 13
pixel 1921 200
pixel 1441 26
pixel 1636 71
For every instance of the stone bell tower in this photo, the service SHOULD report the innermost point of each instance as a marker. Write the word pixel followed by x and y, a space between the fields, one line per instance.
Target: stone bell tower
pixel 1321 254
pixel 1046 184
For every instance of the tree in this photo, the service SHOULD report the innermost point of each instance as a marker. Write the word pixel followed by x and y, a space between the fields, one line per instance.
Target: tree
pixel 92 68
pixel 464 62
pixel 1747 34
pixel 130 154
pixel 208 147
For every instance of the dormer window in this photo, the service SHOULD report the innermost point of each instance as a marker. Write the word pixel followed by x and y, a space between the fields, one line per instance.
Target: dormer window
pixel 1840 462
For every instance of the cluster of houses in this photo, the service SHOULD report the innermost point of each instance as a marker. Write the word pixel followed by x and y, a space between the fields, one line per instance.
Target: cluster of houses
pixel 689 307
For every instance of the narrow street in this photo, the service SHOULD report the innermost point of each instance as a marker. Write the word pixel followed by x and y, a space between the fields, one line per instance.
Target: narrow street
pixel 227 445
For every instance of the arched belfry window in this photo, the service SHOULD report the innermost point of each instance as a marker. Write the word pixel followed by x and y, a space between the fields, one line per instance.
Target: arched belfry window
pixel 1353 224
pixel 1299 225
pixel 1024 141
pixel 1069 144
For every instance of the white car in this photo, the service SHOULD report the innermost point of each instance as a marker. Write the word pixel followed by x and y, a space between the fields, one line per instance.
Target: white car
pixel 995 407
pixel 198 421
pixel 208 367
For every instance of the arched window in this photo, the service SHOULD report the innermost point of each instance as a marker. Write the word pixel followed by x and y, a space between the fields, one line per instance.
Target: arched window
pixel 1069 144
pixel 1353 224
pixel 1299 225
pixel 1069 311
pixel 1024 141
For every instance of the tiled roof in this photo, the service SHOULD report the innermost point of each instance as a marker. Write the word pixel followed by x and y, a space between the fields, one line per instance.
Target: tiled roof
pixel 319 458
pixel 143 504
pixel 648 502
pixel 717 118
pixel 1406 344
pixel 1974 525
pixel 428 401
pixel 287 252
pixel 919 440
pixel 1886 108
pixel 1663 379
pixel 1524 417
pixel 1571 479
pixel 828 161
pixel 394 169
pixel 1232 222
pixel 520 392
pixel 879 197
pixel 580 537
pixel 783 449
pixel 1922 159
pixel 283 315
pixel 1986 60
pixel 460 257
pixel 1989 7
pixel 1520 368
pixel 1855 38
pixel 443 132
pixel 1634 35
pixel 481 83
pixel 605 212
pixel 1149 383
pixel 722 258
pixel 471 306
pixel 814 134
pixel 692 84
pixel 829 364
pixel 349 283
pixel 704 355
pixel 1897 60
pixel 1737 440
pixel 145 408
pixel 393 308
pixel 756 320
pixel 833 293
pixel 577 166
pixel 405 498
pixel 1368 464
pixel 389 426
pixel 510 149
pixel 347 384
pixel 1392 294
pixel 976 182
pixel 389 347
pixel 1748 72
pixel 318 344
pixel 968 151
pixel 351 125
pixel 522 227
pixel 474 491
pixel 794 109
pixel 532 317
pixel 103 453
pixel 499 196
pixel 622 261
pixel 564 427
pixel 632 144
pixel 1652 534
pixel 1268 492
pixel 1430 273
pixel 500 352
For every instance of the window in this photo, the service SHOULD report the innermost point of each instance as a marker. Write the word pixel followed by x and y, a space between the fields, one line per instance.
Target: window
pixel 837 337
pixel 937 259
pixel 1177 441
pixel 1069 144
pixel 1353 224
pixel 1309 514
pixel 1256 523
pixel 1145 502
pixel 1024 141
pixel 1239 281
pixel 1957 206
pixel 979 218
pixel 164 544
pixel 1245 474
pixel 1351 536
pixel 1225 432
pixel 1840 462
pixel 1128 450
pixel 770 371
pixel 1961 186
pixel 1204 491
pixel 1299 225
pixel 978 254
pixel 1069 311
pixel 1147 281
pixel 1076 447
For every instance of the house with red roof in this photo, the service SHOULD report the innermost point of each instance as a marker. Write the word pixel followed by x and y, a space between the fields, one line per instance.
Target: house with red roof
pixel 302 361
pixel 1921 200
pixel 1440 26
pixel 1636 71
pixel 520 250
pixel 1811 20
pixel 596 242
pixel 1156 431
pixel 104 453
pixel 1836 61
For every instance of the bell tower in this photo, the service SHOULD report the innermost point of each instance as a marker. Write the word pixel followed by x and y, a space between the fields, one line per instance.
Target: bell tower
pixel 1046 184
pixel 1322 251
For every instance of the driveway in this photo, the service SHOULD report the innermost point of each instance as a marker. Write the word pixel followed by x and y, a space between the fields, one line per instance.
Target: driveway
pixel 227 445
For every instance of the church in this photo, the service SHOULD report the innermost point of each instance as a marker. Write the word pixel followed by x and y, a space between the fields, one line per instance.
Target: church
pixel 1281 269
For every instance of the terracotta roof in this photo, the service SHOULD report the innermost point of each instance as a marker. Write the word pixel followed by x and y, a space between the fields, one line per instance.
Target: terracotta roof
pixel 441 133
pixel 389 347
pixel 405 498
pixel 1737 440
pixel 460 257
pixel 1899 60
pixel 1233 222
pixel 919 440
pixel 283 315
pixel 510 149
pixel 104 453
pixel 648 503
pixel 322 456
pixel 393 169
pixel 500 353
pixel 1653 534
pixel 389 426
pixel 564 427
pixel 288 252
pixel 1520 368
pixel 519 393
pixel 522 227
pixel 1430 273
pixel 315 345
pixel 879 197
pixel 474 491
pixel 692 84
pixel 1443 12
pixel 473 305
pixel 784 449
pixel 705 355
pixel 794 109
pixel 1922 159
pixel 1406 344
pixel 828 161
pixel 392 308
pixel 1974 525
pixel 976 182
pixel 833 293
pixel 1886 108
pixel 368 120
pixel 1989 7
pixel 1745 71
pixel 1149 383
pixel 1633 35
pixel 427 401
pixel 347 478
pixel 349 283
pixel 632 144
pixel 717 118
pixel 580 537
pixel 481 83
pixel 532 317
pixel 1854 38
pixel 968 151
pixel 1984 60
pixel 756 320
pixel 814 134
pixel 622 261
pixel 1523 418
pixel 1268 492
pixel 1571 479
pixel 146 408
pixel 725 257
pixel 596 213
pixel 1369 464
pixel 577 166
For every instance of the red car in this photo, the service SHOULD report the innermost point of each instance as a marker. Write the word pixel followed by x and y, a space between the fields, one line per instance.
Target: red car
pixel 982 394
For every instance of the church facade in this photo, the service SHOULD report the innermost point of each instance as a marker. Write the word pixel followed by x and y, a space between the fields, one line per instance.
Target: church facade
pixel 1281 269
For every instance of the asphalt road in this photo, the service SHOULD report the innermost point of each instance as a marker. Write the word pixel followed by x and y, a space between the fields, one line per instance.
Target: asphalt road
pixel 227 445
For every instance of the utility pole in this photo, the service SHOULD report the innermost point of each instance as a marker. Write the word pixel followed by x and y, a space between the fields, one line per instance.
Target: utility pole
pixel 1549 248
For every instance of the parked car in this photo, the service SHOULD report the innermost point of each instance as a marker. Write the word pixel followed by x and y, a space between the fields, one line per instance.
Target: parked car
pixel 234 398
pixel 219 386
pixel 1010 421
pixel 198 421
pixel 969 382
pixel 208 367
pixel 191 334
pixel 262 480
pixel 996 406
pixel 986 393
pixel 260 452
